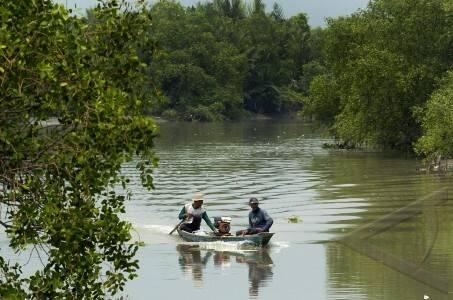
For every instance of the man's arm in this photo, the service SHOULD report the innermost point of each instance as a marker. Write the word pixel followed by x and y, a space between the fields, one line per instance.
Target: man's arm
pixel 250 220
pixel 208 221
pixel 182 213
pixel 268 220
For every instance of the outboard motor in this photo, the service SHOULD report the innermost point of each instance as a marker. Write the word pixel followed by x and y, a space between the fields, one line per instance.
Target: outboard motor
pixel 222 224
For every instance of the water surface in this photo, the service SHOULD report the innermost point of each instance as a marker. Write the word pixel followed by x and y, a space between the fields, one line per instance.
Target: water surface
pixel 283 163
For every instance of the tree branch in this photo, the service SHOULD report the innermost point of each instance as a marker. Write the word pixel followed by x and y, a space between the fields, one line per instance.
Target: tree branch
pixel 4 224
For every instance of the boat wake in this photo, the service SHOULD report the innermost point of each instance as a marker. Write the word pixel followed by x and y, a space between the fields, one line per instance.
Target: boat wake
pixel 221 246
pixel 165 229
pixel 241 247
pixel 277 246
pixel 153 233
pixel 160 232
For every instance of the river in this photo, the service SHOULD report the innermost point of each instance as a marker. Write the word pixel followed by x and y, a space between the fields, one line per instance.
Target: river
pixel 330 192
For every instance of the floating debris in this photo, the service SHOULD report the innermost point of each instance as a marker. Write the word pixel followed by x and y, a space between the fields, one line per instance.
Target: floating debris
pixel 294 219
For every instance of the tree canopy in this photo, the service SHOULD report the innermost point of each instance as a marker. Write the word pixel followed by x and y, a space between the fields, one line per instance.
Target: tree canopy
pixel 218 59
pixel 382 64
pixel 71 113
pixel 437 122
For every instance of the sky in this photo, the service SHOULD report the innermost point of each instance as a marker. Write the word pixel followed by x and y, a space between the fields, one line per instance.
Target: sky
pixel 317 10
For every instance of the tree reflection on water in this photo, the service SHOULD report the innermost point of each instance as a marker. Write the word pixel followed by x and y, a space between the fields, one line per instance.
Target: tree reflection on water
pixel 193 260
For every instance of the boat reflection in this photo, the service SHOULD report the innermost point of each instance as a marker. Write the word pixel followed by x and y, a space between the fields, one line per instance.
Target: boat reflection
pixel 193 259
pixel 192 262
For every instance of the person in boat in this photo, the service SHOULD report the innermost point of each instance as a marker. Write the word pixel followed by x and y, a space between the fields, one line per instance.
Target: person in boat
pixel 259 219
pixel 192 213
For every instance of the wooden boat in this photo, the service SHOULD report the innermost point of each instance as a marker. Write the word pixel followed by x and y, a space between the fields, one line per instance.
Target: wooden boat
pixel 260 239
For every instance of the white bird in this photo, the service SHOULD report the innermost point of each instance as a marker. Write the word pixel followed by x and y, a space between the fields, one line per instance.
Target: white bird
pixel 425 297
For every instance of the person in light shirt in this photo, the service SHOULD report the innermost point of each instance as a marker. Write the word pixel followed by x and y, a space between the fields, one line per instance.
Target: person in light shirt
pixel 192 213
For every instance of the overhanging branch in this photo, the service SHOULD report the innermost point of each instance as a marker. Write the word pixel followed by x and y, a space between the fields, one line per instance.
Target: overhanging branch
pixel 4 224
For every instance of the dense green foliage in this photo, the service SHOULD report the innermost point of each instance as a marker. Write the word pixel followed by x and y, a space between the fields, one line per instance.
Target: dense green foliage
pixel 364 76
pixel 220 58
pixel 382 64
pixel 437 122
pixel 57 181
pixel 379 76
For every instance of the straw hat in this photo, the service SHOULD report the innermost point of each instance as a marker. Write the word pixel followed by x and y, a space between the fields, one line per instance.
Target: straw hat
pixel 197 197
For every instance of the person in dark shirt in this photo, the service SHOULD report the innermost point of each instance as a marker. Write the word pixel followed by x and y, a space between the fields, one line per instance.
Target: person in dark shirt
pixel 259 219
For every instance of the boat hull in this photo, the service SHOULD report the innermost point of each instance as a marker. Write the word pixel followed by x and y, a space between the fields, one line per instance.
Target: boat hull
pixel 260 239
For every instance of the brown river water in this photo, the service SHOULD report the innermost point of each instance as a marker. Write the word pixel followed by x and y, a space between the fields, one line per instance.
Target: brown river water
pixel 369 225
pixel 328 254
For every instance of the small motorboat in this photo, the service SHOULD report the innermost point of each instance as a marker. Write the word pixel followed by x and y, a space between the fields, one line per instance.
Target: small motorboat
pixel 260 239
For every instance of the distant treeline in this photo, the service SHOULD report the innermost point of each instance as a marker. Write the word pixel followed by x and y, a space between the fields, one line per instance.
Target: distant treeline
pixel 219 59
pixel 379 77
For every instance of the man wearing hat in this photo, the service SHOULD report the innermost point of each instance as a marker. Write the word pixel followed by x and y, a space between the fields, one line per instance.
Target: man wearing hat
pixel 259 219
pixel 192 213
